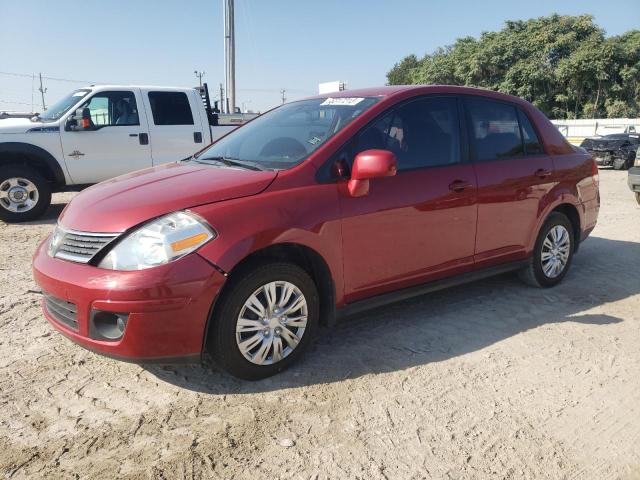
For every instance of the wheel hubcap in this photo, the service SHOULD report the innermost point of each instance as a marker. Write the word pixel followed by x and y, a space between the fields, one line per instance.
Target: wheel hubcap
pixel 271 323
pixel 18 195
pixel 555 251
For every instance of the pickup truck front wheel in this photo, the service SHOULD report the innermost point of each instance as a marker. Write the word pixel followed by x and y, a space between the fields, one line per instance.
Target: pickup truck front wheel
pixel 24 194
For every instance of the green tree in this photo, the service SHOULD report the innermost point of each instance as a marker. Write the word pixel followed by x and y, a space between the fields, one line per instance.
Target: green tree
pixel 563 64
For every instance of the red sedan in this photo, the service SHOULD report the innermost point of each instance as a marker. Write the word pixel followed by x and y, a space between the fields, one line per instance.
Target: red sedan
pixel 316 210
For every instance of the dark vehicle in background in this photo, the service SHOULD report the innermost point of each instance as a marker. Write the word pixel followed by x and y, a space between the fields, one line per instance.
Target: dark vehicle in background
pixel 617 150
pixel 634 177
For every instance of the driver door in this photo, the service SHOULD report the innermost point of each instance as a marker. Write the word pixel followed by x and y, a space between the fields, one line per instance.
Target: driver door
pixel 116 143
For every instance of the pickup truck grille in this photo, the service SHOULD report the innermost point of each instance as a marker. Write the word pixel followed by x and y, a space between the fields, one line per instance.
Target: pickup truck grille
pixel 81 247
pixel 63 312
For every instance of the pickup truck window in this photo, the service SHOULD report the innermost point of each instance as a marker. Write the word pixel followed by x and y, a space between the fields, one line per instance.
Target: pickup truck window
pixel 113 109
pixel 287 135
pixel 170 108
pixel 58 109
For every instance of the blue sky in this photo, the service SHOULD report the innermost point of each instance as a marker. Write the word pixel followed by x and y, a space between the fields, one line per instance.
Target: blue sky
pixel 280 43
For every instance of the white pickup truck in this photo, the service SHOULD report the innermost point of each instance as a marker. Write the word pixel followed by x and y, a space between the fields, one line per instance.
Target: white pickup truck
pixel 97 133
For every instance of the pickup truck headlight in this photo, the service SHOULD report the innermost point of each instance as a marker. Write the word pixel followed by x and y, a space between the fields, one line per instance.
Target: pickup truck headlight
pixel 158 242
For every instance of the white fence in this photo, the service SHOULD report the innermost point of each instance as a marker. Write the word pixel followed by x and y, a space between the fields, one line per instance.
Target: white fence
pixel 578 130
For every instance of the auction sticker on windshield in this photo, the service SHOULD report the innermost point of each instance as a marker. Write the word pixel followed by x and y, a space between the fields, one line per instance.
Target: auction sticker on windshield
pixel 350 101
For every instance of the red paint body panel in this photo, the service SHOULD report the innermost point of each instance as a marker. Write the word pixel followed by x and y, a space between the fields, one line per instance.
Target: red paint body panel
pixel 131 199
pixel 408 229
pixel 168 305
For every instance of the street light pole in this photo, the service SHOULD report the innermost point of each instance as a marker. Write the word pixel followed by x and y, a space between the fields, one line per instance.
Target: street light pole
pixel 230 55
pixel 199 75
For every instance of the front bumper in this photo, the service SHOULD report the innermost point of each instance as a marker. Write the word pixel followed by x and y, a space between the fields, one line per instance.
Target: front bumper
pixel 634 179
pixel 167 307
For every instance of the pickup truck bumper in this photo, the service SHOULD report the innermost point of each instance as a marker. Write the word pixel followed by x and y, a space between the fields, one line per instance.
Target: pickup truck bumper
pixel 154 315
pixel 634 179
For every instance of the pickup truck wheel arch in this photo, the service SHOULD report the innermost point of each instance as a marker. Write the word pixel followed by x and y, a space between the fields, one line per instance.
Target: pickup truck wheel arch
pixel 17 153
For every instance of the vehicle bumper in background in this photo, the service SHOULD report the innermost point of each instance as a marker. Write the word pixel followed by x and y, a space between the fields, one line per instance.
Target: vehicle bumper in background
pixel 158 314
pixel 634 179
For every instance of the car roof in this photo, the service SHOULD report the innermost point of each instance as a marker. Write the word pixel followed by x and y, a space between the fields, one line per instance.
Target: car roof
pixel 392 90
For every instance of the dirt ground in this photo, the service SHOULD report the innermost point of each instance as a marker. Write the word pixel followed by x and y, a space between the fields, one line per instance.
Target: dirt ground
pixel 488 380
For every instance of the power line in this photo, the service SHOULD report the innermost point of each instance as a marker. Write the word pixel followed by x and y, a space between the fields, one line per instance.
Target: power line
pixel 55 79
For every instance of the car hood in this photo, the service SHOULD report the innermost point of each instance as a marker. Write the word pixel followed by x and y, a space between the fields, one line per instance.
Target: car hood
pixel 124 202
pixel 18 125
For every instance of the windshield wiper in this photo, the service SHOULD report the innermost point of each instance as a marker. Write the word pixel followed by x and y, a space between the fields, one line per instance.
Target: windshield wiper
pixel 232 162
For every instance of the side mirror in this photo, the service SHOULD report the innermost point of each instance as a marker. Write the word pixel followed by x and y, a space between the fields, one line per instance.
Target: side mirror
pixel 370 164
pixel 80 120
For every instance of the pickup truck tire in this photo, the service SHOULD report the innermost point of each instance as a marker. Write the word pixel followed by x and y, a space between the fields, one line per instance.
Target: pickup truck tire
pixel 265 319
pixel 638 197
pixel 24 194
pixel 556 240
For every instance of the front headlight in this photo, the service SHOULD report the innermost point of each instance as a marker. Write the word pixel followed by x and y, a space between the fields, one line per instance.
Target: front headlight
pixel 158 242
pixel 637 163
pixel 54 241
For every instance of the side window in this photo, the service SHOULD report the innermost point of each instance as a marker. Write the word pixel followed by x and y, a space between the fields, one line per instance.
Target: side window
pixel 532 145
pixel 170 108
pixel 422 133
pixel 112 109
pixel 495 132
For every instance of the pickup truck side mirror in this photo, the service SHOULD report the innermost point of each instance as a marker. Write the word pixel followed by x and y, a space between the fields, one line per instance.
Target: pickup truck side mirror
pixel 80 120
pixel 370 164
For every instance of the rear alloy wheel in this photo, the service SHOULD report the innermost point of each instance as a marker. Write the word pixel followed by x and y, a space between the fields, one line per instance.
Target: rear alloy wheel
pixel 552 253
pixel 264 321
pixel 24 194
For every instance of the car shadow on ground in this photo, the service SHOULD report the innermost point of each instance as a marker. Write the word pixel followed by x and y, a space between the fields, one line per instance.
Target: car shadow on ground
pixel 442 325
pixel 50 216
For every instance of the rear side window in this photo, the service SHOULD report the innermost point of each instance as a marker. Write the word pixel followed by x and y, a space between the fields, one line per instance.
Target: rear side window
pixel 532 145
pixel 495 132
pixel 422 133
pixel 170 108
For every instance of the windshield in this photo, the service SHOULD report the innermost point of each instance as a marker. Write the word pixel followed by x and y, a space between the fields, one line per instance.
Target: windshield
pixel 58 109
pixel 286 136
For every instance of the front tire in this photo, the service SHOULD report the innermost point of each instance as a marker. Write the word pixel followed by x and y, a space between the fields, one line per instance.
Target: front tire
pixel 264 321
pixel 24 194
pixel 552 253
pixel 638 197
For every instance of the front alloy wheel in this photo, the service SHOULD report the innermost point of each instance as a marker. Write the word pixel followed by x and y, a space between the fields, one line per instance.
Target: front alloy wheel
pixel 24 194
pixel 264 319
pixel 271 323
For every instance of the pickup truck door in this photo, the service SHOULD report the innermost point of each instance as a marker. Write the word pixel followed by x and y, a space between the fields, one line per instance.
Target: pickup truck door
pixel 175 126
pixel 117 142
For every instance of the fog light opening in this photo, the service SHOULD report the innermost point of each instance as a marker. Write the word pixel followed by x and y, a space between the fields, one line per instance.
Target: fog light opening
pixel 107 325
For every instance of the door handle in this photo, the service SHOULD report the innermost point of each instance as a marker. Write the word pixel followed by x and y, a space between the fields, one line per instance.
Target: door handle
pixel 542 173
pixel 133 134
pixel 144 139
pixel 459 185
pixel 197 137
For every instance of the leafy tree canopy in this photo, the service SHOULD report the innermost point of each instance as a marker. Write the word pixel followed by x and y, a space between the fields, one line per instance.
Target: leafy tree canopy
pixel 565 65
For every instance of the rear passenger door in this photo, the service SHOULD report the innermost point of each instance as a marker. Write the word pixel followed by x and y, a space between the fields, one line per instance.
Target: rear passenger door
pixel 514 175
pixel 174 125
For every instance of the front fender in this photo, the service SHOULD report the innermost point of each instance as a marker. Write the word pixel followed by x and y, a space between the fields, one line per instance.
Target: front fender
pixel 306 216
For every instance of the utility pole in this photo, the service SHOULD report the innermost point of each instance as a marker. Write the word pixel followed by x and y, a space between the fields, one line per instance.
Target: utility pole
pixel 42 92
pixel 282 92
pixel 230 55
pixel 222 102
pixel 199 75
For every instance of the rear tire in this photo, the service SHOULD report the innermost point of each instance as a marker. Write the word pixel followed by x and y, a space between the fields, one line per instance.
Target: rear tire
pixel 638 197
pixel 24 194
pixel 552 253
pixel 252 337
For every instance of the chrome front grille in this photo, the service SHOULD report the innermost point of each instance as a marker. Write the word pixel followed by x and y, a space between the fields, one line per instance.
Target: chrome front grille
pixel 63 312
pixel 80 247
